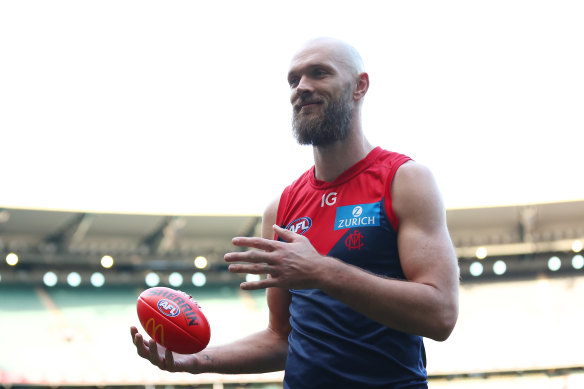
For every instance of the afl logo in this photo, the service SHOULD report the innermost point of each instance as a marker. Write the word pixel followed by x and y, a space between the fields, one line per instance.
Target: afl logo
pixel 168 308
pixel 300 226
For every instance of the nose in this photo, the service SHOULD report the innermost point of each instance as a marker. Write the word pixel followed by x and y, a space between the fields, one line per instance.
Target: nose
pixel 302 91
pixel 304 86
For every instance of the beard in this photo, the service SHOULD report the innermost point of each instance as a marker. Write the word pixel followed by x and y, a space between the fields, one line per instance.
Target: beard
pixel 322 130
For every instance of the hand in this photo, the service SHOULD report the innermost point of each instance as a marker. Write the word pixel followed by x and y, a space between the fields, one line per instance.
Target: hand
pixel 292 264
pixel 162 357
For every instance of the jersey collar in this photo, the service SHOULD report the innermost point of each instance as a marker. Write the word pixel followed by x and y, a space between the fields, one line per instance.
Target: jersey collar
pixel 347 174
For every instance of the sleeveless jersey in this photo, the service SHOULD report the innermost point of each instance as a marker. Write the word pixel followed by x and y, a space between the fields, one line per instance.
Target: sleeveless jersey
pixel 352 219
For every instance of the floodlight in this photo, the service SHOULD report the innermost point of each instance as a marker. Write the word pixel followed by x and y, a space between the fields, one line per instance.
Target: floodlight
pixel 152 279
pixel 578 262
pixel 175 279
pixel 199 279
pixel 50 279
pixel 74 279
pixel 12 259
pixel 481 253
pixel 499 267
pixel 554 263
pixel 476 269
pixel 107 261
pixel 201 262
pixel 97 279
pixel 252 277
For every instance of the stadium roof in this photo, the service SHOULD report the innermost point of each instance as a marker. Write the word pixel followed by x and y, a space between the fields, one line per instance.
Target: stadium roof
pixel 78 240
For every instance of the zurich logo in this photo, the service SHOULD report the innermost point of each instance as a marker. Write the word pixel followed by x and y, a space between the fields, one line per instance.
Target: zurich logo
pixel 300 226
pixel 168 308
pixel 358 216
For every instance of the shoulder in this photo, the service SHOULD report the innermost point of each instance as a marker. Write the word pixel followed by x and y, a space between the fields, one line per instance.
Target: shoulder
pixel 414 172
pixel 389 162
pixel 389 158
pixel 415 192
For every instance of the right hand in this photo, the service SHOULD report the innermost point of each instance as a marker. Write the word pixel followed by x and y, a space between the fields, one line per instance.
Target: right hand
pixel 162 357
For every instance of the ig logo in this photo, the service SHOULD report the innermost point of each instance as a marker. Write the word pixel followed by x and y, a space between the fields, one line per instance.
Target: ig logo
pixel 328 199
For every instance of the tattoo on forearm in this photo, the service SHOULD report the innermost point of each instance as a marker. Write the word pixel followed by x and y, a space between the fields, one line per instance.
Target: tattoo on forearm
pixel 207 357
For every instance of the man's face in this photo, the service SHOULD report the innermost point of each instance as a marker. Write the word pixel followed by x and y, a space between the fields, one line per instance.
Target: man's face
pixel 321 97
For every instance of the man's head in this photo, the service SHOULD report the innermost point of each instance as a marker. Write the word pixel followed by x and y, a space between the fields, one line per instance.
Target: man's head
pixel 327 83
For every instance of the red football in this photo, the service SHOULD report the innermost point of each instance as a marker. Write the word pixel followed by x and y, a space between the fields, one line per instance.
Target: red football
pixel 174 320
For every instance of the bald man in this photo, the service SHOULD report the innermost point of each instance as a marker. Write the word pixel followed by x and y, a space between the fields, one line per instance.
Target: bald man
pixel 358 262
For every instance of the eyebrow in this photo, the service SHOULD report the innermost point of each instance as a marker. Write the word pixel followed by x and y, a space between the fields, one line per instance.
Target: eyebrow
pixel 310 67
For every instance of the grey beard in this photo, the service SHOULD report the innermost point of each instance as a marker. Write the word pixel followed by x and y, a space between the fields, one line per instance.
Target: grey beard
pixel 331 127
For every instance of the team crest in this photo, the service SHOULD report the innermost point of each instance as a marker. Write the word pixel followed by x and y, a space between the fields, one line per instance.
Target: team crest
pixel 354 241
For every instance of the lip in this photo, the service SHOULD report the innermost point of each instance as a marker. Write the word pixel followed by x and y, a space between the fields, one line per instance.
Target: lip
pixel 307 104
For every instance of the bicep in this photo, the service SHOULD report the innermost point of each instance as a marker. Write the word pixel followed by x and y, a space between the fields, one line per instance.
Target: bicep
pixel 425 248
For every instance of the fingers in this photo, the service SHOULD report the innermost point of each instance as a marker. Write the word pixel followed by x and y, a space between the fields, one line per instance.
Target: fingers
pixel 161 360
pixel 169 360
pixel 264 246
pixel 136 336
pixel 266 259
pixel 262 284
pixel 254 242
pixel 252 256
pixel 154 357
pixel 261 268
pixel 133 332
pixel 141 345
pixel 149 350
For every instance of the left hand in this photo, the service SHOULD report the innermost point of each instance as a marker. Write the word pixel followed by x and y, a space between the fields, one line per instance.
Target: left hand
pixel 163 357
pixel 292 264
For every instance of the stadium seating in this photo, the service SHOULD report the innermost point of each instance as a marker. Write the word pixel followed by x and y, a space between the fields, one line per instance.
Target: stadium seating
pixel 81 335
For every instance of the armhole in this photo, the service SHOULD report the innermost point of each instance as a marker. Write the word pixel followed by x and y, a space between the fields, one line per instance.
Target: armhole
pixel 393 219
pixel 282 205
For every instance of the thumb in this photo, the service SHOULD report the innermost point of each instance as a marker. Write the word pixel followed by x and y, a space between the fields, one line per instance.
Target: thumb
pixel 284 234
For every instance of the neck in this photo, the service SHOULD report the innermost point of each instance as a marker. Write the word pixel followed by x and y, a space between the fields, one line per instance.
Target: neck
pixel 332 160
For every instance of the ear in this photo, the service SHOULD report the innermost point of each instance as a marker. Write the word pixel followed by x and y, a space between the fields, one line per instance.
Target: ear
pixel 362 86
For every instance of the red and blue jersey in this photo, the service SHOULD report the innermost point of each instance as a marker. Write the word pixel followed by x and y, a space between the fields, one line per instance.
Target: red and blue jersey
pixel 352 219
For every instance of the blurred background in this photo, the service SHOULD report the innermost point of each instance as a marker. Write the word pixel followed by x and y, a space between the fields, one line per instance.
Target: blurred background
pixel 137 138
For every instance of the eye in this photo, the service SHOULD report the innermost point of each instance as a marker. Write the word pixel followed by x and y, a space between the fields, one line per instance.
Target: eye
pixel 293 81
pixel 319 73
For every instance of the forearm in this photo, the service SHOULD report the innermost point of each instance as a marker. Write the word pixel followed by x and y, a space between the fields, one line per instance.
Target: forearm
pixel 262 352
pixel 411 307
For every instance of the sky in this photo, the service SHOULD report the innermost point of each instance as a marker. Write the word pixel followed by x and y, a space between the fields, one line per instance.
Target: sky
pixel 182 107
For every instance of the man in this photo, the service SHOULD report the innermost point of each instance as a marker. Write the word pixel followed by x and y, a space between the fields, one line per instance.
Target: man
pixel 359 262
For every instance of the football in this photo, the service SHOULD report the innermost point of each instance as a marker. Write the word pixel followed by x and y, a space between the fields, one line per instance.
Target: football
pixel 173 319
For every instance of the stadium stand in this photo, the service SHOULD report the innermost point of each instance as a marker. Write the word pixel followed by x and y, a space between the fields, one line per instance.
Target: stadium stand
pixel 521 329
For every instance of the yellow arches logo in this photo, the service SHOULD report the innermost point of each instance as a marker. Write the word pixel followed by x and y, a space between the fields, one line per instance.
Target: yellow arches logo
pixel 155 329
